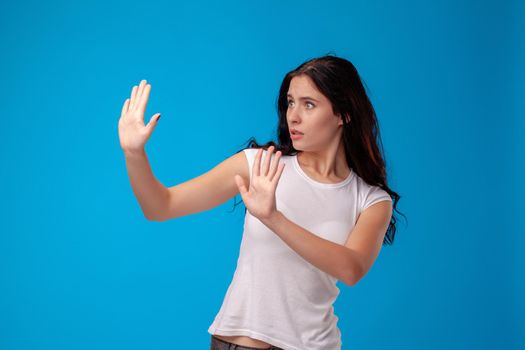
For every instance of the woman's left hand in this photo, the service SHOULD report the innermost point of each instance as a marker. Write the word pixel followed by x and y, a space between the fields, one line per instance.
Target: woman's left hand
pixel 260 198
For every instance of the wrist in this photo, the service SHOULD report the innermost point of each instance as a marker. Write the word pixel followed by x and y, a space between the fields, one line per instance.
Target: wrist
pixel 134 153
pixel 273 219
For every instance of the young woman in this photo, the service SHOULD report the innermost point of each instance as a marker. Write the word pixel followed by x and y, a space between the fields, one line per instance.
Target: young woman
pixel 318 206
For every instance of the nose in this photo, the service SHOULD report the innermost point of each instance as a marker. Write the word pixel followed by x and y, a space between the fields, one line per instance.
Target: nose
pixel 293 116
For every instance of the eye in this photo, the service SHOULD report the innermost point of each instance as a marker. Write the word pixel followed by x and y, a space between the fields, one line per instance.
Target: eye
pixel 307 103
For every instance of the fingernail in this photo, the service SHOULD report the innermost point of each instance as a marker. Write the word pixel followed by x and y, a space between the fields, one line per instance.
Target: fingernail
pixel 158 117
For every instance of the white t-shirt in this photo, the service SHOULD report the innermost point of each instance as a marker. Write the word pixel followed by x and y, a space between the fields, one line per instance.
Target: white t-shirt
pixel 276 295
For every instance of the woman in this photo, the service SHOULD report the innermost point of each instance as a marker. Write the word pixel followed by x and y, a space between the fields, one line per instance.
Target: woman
pixel 318 209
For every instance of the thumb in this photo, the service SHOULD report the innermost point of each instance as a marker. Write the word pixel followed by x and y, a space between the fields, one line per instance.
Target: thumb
pixel 240 185
pixel 153 122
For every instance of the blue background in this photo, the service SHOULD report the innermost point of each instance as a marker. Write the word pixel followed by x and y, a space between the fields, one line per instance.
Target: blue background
pixel 80 266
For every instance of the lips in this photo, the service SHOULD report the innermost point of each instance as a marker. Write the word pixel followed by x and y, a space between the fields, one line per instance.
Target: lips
pixel 295 132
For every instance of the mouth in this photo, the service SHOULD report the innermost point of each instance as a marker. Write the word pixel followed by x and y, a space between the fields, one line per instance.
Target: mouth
pixel 296 136
pixel 295 132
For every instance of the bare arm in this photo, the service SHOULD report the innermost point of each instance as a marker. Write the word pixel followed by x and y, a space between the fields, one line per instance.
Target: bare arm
pixel 201 193
pixel 151 194
pixel 209 189
pixel 349 262
pixel 133 135
pixel 158 202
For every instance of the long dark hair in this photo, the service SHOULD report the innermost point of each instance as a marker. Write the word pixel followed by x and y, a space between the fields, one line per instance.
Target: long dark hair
pixel 338 80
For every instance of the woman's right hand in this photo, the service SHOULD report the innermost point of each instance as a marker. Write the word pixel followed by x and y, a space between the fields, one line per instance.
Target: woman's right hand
pixel 132 132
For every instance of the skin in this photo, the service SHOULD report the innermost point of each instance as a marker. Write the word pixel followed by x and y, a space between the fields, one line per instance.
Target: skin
pixel 133 133
pixel 321 151
pixel 321 156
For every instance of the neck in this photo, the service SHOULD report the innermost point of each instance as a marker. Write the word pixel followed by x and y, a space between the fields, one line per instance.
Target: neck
pixel 329 163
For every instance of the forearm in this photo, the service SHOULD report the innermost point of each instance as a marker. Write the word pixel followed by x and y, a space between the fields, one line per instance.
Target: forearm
pixel 332 258
pixel 151 194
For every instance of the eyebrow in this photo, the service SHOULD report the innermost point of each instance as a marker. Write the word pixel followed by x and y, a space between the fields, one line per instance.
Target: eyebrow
pixel 304 98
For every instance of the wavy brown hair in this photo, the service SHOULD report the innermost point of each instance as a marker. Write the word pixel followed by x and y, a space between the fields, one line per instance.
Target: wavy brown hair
pixel 338 80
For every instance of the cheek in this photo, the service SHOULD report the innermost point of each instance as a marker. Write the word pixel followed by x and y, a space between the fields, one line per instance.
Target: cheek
pixel 323 128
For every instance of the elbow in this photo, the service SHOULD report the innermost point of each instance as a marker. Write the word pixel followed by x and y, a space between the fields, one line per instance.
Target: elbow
pixel 354 280
pixel 349 281
pixel 353 276
pixel 156 218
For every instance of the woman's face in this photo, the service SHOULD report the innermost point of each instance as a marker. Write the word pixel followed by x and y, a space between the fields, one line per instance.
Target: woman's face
pixel 310 112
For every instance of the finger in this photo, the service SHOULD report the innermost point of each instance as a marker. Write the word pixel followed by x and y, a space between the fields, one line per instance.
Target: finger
pixel 278 175
pixel 133 97
pixel 275 163
pixel 144 97
pixel 257 163
pixel 240 185
pixel 125 107
pixel 267 158
pixel 140 91
pixel 152 124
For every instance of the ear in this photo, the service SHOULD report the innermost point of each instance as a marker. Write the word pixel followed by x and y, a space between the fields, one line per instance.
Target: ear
pixel 340 122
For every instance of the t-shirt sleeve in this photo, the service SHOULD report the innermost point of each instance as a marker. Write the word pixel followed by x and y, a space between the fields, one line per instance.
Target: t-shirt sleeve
pixel 250 156
pixel 373 195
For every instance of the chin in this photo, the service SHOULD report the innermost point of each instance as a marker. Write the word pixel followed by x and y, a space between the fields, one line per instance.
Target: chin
pixel 296 145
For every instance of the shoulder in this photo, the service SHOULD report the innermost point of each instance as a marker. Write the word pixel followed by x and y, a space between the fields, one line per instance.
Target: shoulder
pixel 251 151
pixel 370 194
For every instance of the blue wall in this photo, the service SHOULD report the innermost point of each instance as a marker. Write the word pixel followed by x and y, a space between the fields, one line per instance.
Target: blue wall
pixel 81 268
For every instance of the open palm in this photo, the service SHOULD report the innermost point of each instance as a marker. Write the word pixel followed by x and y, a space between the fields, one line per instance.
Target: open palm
pixel 260 198
pixel 133 133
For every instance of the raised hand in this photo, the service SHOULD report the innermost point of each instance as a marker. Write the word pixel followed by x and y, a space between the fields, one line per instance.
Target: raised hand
pixel 133 134
pixel 260 198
